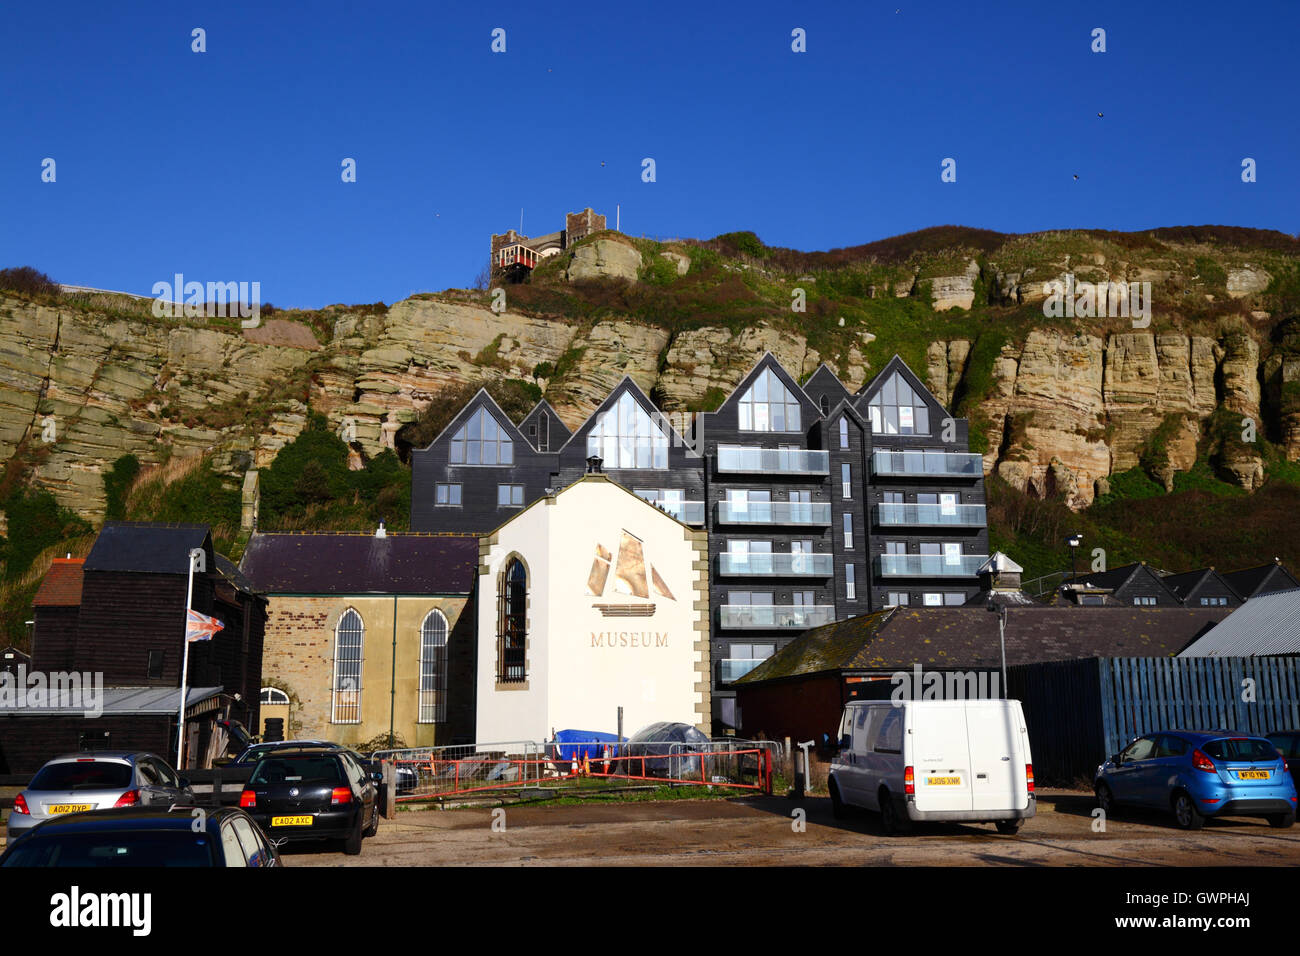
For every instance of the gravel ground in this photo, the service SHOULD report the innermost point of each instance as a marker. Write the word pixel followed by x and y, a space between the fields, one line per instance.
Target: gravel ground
pixel 760 831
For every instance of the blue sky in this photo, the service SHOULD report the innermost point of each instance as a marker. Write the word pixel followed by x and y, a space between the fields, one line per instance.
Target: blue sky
pixel 225 165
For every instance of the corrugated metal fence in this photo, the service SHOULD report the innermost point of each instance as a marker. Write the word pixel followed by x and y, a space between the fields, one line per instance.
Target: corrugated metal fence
pixel 1079 712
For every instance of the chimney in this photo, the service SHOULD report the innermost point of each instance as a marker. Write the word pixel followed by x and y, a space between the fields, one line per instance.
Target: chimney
pixel 594 464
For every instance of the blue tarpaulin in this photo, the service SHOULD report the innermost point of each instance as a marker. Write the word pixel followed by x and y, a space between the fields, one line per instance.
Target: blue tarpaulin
pixel 576 744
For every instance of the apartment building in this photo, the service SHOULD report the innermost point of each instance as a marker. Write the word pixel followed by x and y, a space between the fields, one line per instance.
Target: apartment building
pixel 820 504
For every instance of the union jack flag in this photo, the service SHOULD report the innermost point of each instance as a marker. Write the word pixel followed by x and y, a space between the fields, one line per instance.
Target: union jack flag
pixel 200 627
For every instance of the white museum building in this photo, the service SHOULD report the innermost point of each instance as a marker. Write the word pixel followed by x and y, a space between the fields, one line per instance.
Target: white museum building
pixel 591 599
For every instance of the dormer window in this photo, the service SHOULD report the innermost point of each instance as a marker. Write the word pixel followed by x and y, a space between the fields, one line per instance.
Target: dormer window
pixel 768 406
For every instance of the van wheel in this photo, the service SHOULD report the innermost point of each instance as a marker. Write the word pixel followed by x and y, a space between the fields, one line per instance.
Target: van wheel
pixel 1009 827
pixel 1281 821
pixel 890 818
pixel 1185 813
pixel 837 804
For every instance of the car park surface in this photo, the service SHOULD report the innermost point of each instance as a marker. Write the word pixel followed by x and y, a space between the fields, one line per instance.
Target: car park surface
pixel 761 831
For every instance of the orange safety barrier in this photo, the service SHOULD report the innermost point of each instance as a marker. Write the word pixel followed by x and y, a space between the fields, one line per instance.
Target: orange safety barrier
pixel 605 769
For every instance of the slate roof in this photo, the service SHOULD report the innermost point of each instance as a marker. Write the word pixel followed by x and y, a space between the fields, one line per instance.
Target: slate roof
pixel 1248 581
pixel 967 638
pixel 1186 584
pixel 121 701
pixel 360 563
pixel 1265 626
pixel 147 547
pixel 61 586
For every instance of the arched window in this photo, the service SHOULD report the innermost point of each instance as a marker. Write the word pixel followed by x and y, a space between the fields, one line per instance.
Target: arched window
pixel 482 441
pixel 543 432
pixel 625 436
pixel 349 639
pixel 433 668
pixel 896 409
pixel 273 695
pixel 844 431
pixel 826 405
pixel 512 610
pixel 768 406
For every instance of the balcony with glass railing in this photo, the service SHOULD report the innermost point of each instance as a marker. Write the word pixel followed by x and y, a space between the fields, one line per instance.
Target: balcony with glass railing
pixel 744 459
pixel 776 565
pixel 687 512
pixel 929 565
pixel 902 515
pixel 922 464
pixel 774 512
pixel 775 616
pixel 734 668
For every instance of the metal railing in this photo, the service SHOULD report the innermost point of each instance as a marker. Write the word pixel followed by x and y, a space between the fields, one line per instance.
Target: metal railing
pixel 481 769
pixel 772 461
pixel 774 512
pixel 929 565
pixel 687 512
pixel 768 564
pixel 948 464
pixel 775 616
pixel 896 514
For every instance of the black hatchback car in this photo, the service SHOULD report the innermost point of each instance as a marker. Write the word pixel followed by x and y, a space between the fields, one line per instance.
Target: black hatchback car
pixel 312 793
pixel 177 836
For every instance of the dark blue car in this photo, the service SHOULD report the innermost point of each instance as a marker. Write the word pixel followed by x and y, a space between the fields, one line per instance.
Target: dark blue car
pixel 1199 774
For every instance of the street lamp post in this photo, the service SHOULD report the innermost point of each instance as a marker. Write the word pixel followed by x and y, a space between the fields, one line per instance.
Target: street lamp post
pixel 1074 541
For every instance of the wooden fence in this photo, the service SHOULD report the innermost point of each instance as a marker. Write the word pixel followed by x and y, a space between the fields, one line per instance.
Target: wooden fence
pixel 1079 712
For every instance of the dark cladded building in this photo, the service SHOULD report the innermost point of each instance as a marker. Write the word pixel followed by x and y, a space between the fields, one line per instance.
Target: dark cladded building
pixel 1265 579
pixel 1131 585
pixel 820 504
pixel 1203 588
pixel 121 614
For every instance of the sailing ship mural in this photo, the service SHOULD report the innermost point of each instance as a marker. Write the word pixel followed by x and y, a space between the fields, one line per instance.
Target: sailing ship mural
pixel 633 576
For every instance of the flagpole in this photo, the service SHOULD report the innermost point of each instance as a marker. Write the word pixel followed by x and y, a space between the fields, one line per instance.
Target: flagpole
pixel 185 666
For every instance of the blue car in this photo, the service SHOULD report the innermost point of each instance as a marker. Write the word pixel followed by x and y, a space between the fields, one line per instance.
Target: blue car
pixel 1199 774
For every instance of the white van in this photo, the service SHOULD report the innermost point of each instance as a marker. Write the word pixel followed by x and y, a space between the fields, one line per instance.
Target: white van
pixel 935 760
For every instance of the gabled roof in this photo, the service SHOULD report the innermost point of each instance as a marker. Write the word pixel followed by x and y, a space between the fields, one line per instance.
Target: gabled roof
pixel 117 701
pixel 1189 583
pixel 1117 578
pixel 148 547
pixel 61 586
pixel 629 385
pixel 557 437
pixel 482 398
pixel 1267 577
pixel 967 637
pixel 1265 626
pixel 768 360
pixel 356 563
pixel 825 379
pixel 869 388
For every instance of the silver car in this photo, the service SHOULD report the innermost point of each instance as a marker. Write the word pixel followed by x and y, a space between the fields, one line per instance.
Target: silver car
pixel 100 780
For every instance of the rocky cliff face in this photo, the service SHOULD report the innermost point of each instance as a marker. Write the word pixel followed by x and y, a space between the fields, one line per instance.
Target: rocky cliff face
pixel 1062 407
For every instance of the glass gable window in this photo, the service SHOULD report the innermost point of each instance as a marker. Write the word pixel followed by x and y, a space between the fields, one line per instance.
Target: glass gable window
pixel 768 406
pixel 625 436
pixel 482 441
pixel 896 409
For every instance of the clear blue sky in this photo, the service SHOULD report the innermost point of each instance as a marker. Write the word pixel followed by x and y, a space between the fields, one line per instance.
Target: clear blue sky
pixel 225 165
